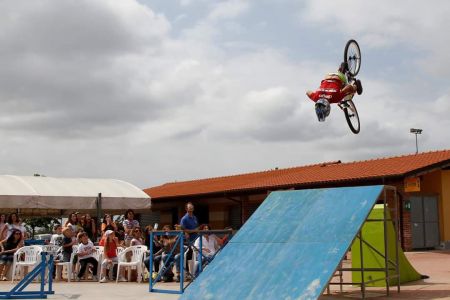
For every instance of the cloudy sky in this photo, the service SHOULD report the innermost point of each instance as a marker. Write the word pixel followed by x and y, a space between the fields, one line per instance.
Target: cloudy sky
pixel 155 91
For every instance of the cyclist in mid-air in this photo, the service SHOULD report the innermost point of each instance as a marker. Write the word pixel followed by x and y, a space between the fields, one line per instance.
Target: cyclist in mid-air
pixel 333 89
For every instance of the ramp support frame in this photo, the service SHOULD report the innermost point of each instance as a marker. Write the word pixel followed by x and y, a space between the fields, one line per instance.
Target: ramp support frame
pixel 391 264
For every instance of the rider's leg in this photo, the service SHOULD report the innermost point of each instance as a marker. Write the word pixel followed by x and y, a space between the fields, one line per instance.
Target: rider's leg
pixel 310 95
pixel 348 89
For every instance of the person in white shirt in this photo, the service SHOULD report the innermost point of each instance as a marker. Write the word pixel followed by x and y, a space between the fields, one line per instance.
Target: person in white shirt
pixel 14 222
pixel 57 237
pixel 209 243
pixel 85 256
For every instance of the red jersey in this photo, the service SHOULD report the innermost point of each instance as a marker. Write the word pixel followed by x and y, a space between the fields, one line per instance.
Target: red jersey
pixel 329 89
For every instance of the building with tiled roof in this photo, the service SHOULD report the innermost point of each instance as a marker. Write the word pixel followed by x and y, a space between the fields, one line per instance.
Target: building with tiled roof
pixel 422 181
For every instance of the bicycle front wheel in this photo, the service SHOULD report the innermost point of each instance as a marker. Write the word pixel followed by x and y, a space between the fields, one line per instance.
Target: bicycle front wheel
pixel 351 115
pixel 352 56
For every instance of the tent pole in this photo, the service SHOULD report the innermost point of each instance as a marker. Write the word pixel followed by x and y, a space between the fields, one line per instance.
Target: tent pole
pixel 99 211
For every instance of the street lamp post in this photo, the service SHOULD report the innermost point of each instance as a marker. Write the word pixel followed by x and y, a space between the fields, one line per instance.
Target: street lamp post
pixel 416 131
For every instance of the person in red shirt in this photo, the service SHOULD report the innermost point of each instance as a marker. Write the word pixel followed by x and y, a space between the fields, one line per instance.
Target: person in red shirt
pixel 110 243
pixel 333 89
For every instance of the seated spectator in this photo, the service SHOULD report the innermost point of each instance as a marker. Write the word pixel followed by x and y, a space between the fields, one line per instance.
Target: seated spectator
pixel 209 243
pixel 225 238
pixel 8 248
pixel 85 256
pixel 110 243
pixel 168 243
pixel 137 237
pixel 156 244
pixel 57 237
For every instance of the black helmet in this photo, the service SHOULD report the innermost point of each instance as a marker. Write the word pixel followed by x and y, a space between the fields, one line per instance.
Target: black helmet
pixel 322 109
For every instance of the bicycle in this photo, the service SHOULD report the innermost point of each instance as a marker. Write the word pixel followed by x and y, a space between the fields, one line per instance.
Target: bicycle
pixel 352 59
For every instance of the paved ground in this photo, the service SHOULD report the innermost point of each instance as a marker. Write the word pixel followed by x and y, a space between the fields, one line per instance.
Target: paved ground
pixel 435 264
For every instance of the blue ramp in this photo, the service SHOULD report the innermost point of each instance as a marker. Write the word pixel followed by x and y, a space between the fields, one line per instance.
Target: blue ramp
pixel 289 248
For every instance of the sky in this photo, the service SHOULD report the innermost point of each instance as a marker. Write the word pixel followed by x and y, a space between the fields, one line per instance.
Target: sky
pixel 157 91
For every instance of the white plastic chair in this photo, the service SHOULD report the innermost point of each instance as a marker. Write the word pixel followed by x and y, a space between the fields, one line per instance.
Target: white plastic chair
pixel 98 255
pixel 51 249
pixel 68 265
pixel 135 261
pixel 118 251
pixel 27 256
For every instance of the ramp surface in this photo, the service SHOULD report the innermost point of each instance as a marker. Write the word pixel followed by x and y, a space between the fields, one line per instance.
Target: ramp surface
pixel 373 233
pixel 289 248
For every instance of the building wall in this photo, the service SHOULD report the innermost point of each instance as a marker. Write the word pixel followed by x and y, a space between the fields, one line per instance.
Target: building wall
pixel 223 211
pixel 445 205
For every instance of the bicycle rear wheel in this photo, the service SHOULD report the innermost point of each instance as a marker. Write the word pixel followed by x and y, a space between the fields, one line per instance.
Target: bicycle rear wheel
pixel 352 56
pixel 351 115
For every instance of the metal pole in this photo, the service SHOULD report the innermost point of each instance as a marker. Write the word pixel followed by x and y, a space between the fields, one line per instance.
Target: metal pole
pixel 99 211
pixel 386 252
pixel 363 285
pixel 200 261
pixel 150 267
pixel 181 275
pixel 417 145
pixel 397 240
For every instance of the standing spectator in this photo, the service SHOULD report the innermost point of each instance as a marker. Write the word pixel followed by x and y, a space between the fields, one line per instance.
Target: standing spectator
pixel 128 225
pixel 13 223
pixel 88 225
pixel 68 242
pixel 108 224
pixel 57 237
pixel 12 244
pixel 189 222
pixel 2 226
pixel 72 223
pixel 85 256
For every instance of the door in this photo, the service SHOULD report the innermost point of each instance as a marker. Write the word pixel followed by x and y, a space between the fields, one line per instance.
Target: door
pixel 424 222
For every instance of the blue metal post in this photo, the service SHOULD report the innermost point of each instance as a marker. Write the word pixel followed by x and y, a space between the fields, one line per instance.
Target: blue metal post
pixel 150 268
pixel 50 275
pixel 43 266
pixel 181 239
pixel 200 236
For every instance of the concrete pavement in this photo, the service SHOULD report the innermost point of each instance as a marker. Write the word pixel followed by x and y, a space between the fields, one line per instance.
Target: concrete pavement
pixel 435 264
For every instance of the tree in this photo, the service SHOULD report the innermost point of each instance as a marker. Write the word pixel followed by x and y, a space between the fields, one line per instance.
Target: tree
pixel 44 223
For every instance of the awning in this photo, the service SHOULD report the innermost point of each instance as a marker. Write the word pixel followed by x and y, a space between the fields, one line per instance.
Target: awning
pixel 50 193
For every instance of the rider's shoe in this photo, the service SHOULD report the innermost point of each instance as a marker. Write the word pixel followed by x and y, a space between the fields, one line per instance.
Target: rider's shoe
pixel 359 88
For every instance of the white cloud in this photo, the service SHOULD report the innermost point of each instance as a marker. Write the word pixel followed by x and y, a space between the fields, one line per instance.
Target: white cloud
pixel 228 9
pixel 107 89
pixel 417 25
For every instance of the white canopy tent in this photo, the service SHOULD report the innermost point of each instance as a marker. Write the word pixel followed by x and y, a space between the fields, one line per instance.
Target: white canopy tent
pixel 31 193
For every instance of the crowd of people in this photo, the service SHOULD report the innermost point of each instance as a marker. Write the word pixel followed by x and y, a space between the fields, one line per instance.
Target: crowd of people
pixel 81 230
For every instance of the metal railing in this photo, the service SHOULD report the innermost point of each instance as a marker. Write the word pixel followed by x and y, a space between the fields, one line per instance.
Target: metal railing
pixel 184 244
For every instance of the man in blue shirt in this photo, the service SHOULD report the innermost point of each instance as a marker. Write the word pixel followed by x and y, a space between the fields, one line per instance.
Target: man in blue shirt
pixel 189 222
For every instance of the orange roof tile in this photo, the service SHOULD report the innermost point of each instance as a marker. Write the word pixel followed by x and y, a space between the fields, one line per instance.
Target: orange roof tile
pixel 305 175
